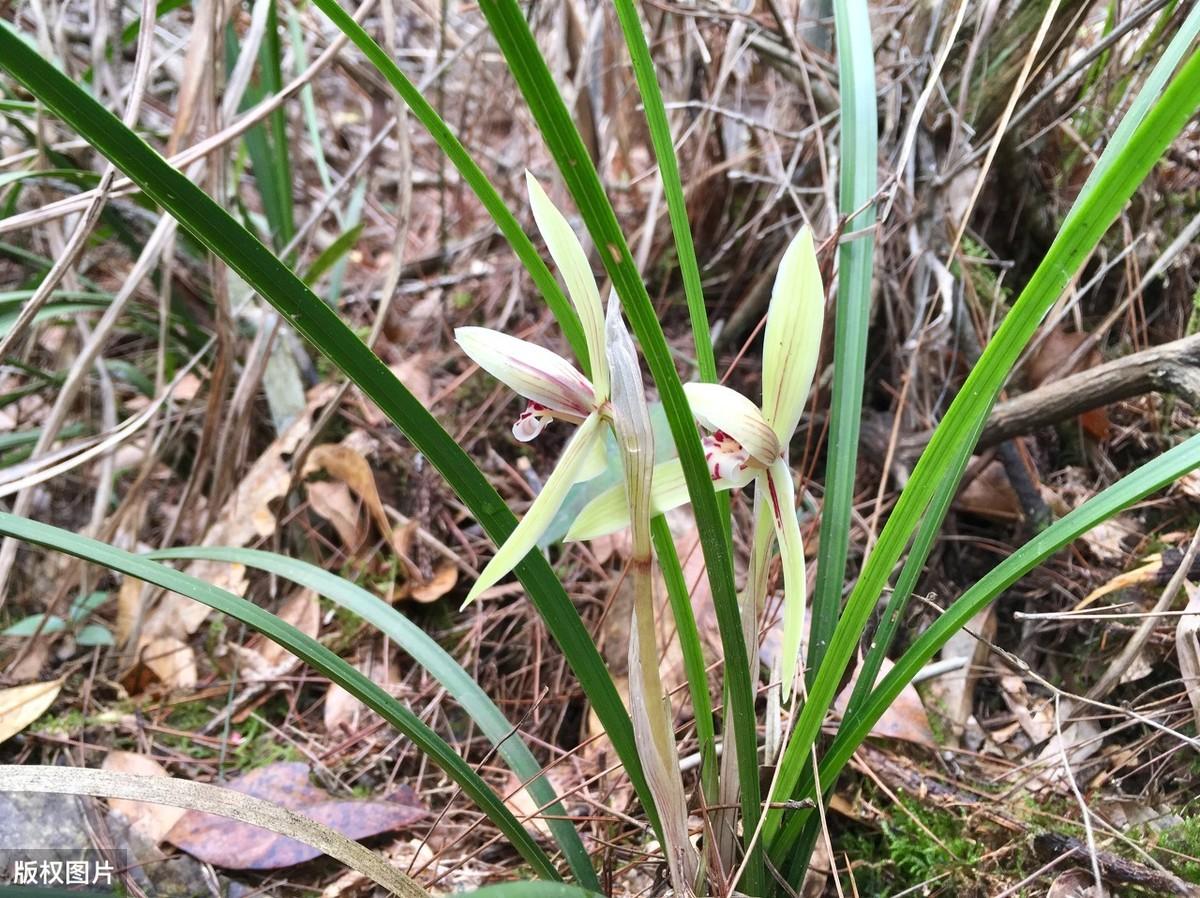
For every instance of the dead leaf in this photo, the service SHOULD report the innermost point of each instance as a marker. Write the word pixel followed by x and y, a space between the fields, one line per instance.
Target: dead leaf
pixel 816 877
pixel 1106 541
pixel 303 611
pixel 22 705
pixel 165 660
pixel 990 495
pixel 332 501
pixel 1074 883
pixel 345 714
pixel 1046 363
pixel 349 466
pixel 1187 647
pixel 129 606
pixel 238 846
pixel 414 374
pixel 152 821
pixel 525 808
pixel 443 580
pixel 905 719
pixel 347 463
pixel 245 516
pixel 952 695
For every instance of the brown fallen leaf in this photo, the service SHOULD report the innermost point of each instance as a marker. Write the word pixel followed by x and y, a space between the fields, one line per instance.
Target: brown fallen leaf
pixel 1187 648
pixel 444 578
pixel 245 516
pixel 151 821
pixel 333 501
pixel 303 611
pixel 905 719
pixel 990 495
pixel 165 660
pixel 129 606
pixel 350 467
pixel 22 705
pixel 239 846
pixel 1047 363
pixel 1075 883
pixel 345 714
pixel 345 462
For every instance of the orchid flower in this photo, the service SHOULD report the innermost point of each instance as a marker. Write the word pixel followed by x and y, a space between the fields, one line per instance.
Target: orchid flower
pixel 745 442
pixel 555 389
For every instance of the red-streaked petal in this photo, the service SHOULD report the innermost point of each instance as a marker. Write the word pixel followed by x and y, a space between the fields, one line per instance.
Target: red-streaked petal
pixel 530 370
pixel 719 408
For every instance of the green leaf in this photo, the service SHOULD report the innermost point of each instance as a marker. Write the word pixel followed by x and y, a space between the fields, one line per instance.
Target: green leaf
pixel 433 658
pixel 303 647
pixel 85 605
pixel 332 253
pixel 94 634
pixel 27 626
pixel 272 280
pixel 959 429
pixel 856 189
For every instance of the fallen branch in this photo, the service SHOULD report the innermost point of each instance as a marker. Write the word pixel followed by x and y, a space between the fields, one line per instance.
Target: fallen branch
pixel 1172 368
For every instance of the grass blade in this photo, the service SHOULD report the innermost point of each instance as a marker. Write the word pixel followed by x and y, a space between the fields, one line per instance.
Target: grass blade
pixel 271 279
pixel 1149 478
pixel 668 169
pixel 303 647
pixel 440 665
pixel 529 69
pixel 960 428
pixel 856 188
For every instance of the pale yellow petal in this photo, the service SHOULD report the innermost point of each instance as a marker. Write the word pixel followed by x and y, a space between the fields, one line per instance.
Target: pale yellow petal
pixel 530 370
pixel 572 263
pixel 719 408
pixel 541 512
pixel 609 512
pixel 792 340
pixel 795 583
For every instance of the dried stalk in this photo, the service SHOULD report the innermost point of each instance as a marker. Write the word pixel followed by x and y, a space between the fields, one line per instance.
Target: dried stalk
pixel 653 720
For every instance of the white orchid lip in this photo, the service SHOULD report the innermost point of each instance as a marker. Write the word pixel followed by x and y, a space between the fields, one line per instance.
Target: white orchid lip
pixel 739 424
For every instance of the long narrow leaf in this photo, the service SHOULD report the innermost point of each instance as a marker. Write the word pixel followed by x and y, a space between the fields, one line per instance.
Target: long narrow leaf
pixel 434 659
pixel 267 275
pixel 668 168
pixel 1147 479
pixel 960 428
pixel 856 188
pixel 570 154
pixel 303 647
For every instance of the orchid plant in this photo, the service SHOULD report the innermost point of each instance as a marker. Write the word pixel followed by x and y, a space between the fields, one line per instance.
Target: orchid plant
pixel 747 443
pixel 614 398
pixel 554 388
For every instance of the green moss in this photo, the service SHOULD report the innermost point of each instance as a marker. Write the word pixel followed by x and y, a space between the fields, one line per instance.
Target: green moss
pixel 259 745
pixel 1179 849
pixel 924 845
